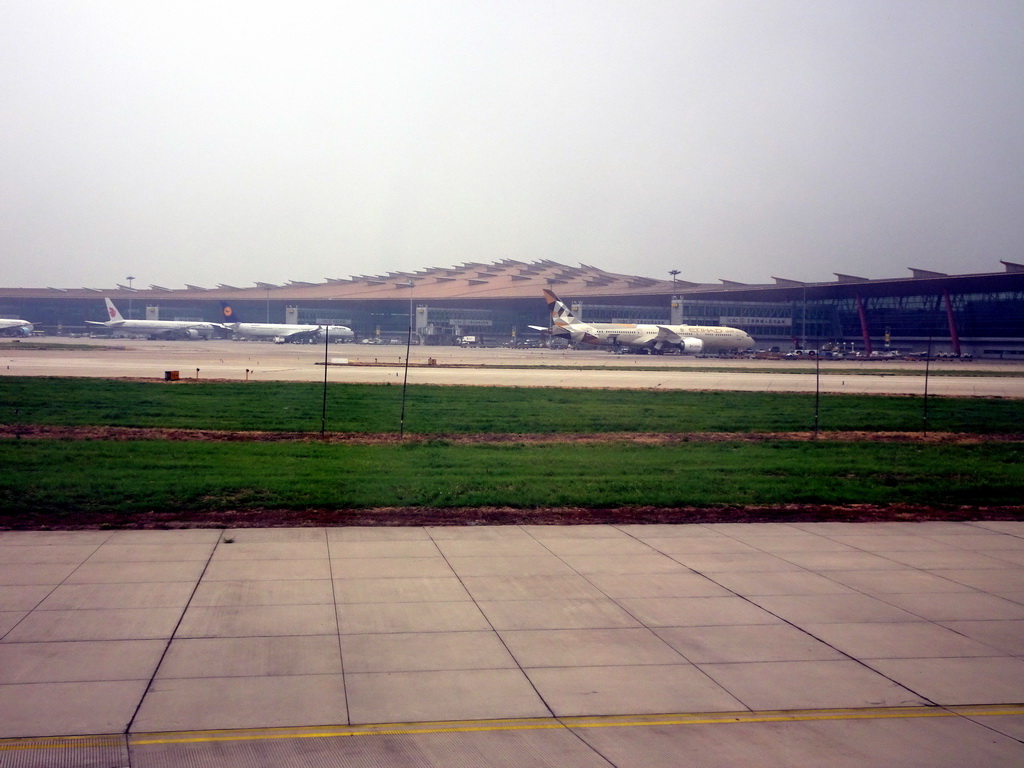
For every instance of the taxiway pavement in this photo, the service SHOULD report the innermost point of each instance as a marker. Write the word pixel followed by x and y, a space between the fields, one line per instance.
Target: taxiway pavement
pixel 736 644
pixel 384 364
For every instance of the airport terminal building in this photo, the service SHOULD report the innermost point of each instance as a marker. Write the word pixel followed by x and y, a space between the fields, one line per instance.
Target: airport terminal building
pixel 978 314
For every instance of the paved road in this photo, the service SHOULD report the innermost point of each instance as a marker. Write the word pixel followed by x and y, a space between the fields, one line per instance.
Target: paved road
pixel 505 367
pixel 711 645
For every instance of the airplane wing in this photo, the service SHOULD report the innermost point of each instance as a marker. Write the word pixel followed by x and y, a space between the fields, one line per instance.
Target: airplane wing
pixel 303 335
pixel 556 332
pixel 193 331
pixel 181 332
pixel 690 345
pixel 667 336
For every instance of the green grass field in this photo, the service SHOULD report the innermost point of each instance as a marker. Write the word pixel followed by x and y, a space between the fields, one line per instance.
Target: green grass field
pixel 59 478
pixel 432 410
pixel 57 481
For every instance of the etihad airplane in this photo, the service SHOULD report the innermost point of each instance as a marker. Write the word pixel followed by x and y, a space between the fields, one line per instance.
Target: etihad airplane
pixel 689 339
pixel 12 327
pixel 158 329
pixel 282 332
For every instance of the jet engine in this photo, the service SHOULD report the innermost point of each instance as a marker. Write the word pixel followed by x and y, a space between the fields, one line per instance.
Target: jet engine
pixel 181 333
pixel 692 346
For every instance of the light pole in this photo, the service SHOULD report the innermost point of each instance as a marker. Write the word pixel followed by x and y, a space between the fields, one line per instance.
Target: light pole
pixel 129 279
pixel 323 415
pixel 675 295
pixel 803 322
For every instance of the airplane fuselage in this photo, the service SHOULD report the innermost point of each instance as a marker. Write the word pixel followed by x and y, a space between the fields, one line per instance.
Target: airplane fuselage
pixel 13 327
pixel 287 331
pixel 281 332
pixel 687 338
pixel 182 329
pixel 691 339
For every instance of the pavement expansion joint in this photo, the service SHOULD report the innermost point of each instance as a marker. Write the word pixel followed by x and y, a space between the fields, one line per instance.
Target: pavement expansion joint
pixel 101 741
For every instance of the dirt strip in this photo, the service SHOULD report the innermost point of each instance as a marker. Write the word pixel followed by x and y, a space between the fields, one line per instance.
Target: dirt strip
pixel 415 516
pixel 41 432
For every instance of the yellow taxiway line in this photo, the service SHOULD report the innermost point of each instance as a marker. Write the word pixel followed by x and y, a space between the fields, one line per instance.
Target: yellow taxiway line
pixel 527 724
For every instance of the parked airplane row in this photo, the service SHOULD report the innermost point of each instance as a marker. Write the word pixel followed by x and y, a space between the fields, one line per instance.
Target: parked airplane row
pixel 200 329
pixel 689 339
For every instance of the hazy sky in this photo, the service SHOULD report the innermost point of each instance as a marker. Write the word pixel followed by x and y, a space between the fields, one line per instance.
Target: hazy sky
pixel 232 142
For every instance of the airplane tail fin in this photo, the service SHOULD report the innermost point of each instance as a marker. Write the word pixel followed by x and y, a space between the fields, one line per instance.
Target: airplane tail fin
pixel 227 313
pixel 112 312
pixel 561 315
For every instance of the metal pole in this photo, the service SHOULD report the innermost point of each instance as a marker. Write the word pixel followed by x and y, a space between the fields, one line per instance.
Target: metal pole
pixel 927 366
pixel 323 415
pixel 675 296
pixel 817 392
pixel 405 380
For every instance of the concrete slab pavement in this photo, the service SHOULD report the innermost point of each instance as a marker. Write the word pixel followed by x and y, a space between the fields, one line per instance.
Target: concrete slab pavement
pixel 803 643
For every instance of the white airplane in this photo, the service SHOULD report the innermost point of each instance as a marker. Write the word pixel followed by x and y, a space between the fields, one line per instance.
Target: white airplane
pixel 158 329
pixel 282 332
pixel 691 339
pixel 12 327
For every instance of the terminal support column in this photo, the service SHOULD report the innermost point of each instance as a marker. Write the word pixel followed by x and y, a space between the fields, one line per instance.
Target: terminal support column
pixel 954 337
pixel 863 315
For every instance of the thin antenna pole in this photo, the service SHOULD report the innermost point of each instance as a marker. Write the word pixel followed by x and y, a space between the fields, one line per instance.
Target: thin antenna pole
pixel 927 366
pixel 323 415
pixel 405 380
pixel 817 391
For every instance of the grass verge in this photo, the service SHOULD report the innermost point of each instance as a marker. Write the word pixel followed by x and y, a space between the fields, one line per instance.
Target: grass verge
pixel 58 480
pixel 432 410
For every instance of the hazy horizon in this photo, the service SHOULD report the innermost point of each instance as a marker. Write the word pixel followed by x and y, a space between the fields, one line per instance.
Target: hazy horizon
pixel 210 143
